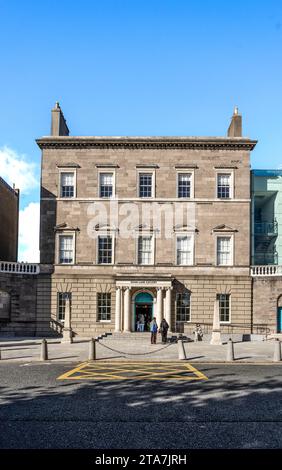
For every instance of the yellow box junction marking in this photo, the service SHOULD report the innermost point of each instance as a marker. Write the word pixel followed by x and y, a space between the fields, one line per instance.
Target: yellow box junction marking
pixel 133 371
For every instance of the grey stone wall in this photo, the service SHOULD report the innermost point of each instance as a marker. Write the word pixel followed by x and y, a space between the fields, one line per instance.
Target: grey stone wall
pixel 267 292
pixel 18 316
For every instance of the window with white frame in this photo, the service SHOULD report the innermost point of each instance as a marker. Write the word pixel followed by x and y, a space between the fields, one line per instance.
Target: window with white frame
pixel 61 305
pixel 106 184
pixel 184 250
pixel 105 249
pixel 224 190
pixel 224 251
pixel 104 306
pixel 183 313
pixel 224 307
pixel 145 249
pixel 67 181
pixel 66 249
pixel 145 185
pixel 184 184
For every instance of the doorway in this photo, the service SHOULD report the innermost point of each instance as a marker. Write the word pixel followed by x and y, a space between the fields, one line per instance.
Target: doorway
pixel 143 311
pixel 279 320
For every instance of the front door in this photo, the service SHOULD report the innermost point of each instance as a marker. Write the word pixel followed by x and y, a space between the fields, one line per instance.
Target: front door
pixel 279 320
pixel 146 310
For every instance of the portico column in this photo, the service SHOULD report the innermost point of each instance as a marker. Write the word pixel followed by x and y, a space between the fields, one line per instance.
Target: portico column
pixel 168 307
pixel 127 322
pixel 118 310
pixel 159 305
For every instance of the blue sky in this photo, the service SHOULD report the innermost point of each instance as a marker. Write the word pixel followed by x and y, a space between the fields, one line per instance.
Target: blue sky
pixel 169 67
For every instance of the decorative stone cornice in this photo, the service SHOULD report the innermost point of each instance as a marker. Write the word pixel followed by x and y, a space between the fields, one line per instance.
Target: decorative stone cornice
pixel 224 228
pixel 147 165
pixel 65 228
pixel 211 143
pixel 68 165
pixel 106 165
pixel 226 167
pixel 185 166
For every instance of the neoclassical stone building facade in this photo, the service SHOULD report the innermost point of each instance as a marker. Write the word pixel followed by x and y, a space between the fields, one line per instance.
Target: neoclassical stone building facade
pixel 135 227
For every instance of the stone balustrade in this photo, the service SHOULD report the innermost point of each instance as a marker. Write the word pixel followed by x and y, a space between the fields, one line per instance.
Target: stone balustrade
pixel 266 270
pixel 19 268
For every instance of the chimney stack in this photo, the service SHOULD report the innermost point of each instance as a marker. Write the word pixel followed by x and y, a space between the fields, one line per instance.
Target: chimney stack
pixel 58 122
pixel 235 128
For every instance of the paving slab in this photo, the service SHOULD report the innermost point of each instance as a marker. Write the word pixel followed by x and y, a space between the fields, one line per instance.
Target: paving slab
pixel 28 350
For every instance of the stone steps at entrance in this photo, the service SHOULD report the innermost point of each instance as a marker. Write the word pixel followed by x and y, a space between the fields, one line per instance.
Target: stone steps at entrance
pixel 134 336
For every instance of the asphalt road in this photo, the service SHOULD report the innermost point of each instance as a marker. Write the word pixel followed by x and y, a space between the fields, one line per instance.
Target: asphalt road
pixel 239 406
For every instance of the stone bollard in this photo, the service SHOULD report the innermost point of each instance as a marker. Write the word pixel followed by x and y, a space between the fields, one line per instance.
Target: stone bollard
pixel 92 350
pixel 44 351
pixel 277 351
pixel 181 350
pixel 230 351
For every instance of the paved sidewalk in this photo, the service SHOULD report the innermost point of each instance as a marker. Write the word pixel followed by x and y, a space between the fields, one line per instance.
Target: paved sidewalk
pixel 28 350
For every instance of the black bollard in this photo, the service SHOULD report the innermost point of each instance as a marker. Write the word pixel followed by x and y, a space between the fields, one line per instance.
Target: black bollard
pixel 230 351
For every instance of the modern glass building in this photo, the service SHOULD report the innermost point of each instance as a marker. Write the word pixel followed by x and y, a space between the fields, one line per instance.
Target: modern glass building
pixel 266 217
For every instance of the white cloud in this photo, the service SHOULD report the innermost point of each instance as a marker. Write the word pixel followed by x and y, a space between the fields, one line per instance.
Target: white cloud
pixel 29 233
pixel 15 169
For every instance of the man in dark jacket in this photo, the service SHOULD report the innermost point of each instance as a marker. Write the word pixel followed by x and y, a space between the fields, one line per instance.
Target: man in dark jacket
pixel 164 326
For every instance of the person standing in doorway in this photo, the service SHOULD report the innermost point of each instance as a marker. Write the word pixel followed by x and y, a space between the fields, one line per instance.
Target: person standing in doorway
pixel 141 322
pixel 154 330
pixel 163 330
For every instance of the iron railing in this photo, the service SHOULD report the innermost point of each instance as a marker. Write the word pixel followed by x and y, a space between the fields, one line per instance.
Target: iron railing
pixel 266 228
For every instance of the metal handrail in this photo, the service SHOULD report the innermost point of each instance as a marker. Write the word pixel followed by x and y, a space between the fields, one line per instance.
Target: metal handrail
pixel 266 228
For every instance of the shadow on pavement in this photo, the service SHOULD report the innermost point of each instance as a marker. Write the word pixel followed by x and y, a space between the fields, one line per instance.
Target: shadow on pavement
pixel 226 411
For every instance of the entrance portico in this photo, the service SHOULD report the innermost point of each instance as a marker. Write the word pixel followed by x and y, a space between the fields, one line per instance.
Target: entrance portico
pixel 126 294
pixel 143 305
